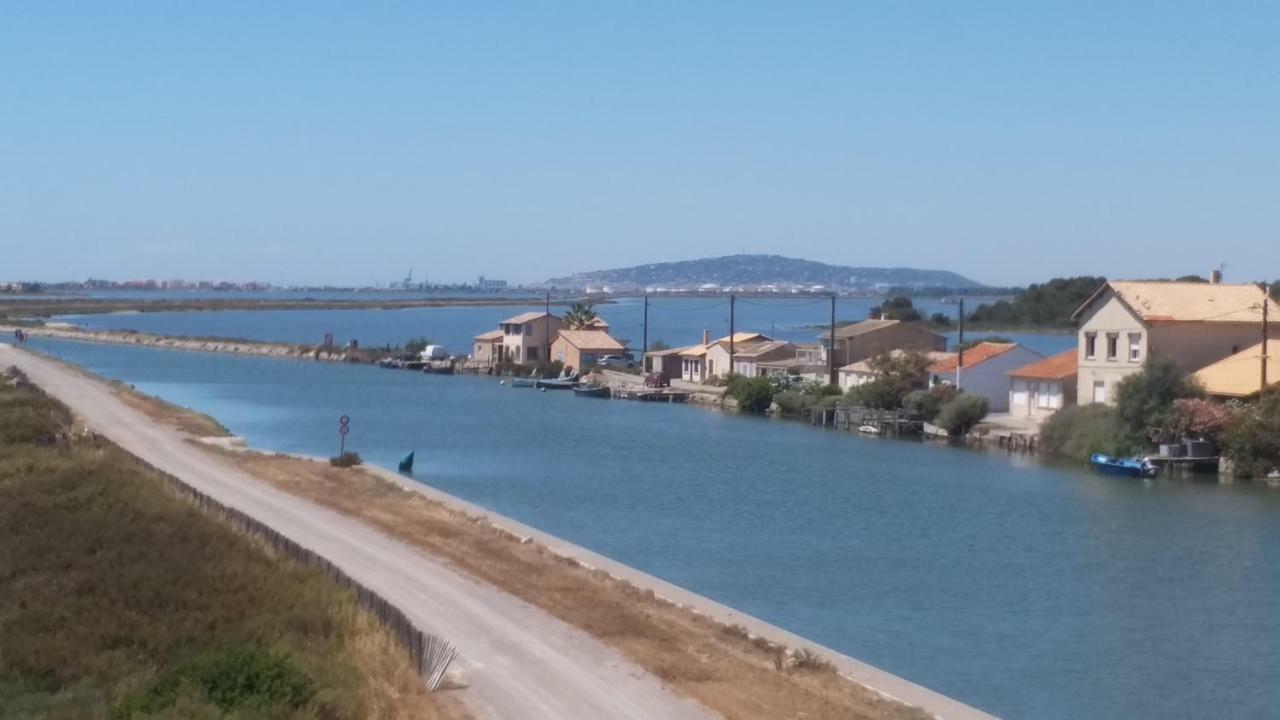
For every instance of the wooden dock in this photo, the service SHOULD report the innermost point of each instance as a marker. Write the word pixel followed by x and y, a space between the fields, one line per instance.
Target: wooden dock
pixel 650 395
pixel 887 423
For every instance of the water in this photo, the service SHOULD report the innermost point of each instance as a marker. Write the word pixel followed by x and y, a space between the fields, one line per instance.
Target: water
pixel 1026 590
pixel 675 321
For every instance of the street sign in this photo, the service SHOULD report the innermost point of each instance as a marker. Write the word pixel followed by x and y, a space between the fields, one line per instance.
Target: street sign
pixel 344 427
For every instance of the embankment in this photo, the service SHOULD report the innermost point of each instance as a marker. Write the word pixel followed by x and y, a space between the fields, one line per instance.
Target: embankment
pixel 217 345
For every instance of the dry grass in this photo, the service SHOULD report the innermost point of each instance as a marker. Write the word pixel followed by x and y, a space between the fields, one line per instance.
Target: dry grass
pixel 723 667
pixel 184 419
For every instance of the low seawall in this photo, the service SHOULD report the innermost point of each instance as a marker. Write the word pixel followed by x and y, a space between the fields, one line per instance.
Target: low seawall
pixel 214 345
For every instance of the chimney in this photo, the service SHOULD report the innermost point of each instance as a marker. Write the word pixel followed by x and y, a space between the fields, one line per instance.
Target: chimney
pixel 1215 276
pixel 706 337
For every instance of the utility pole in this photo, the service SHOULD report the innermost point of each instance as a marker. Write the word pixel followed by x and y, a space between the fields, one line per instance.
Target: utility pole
pixel 732 304
pixel 1266 305
pixel 831 351
pixel 546 331
pixel 645 341
pixel 960 346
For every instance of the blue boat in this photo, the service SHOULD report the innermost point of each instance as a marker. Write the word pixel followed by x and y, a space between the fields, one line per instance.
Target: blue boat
pixel 1125 467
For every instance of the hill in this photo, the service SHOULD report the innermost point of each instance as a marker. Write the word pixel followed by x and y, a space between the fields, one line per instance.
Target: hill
pixel 760 270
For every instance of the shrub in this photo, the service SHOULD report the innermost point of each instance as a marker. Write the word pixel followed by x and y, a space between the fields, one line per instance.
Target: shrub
pixel 1144 401
pixel 926 404
pixel 236 678
pixel 962 413
pixel 415 346
pixel 792 402
pixel 1251 438
pixel 1197 418
pixel 346 460
pixel 1078 431
pixel 753 394
pixel 880 394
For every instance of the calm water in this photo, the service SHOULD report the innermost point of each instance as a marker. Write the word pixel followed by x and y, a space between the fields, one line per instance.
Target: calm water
pixel 676 321
pixel 1029 591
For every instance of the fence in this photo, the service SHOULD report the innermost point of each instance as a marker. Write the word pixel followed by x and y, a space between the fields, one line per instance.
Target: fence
pixel 430 654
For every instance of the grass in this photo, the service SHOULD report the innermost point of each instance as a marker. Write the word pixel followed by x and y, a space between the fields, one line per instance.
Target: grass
pixel 723 667
pixel 120 599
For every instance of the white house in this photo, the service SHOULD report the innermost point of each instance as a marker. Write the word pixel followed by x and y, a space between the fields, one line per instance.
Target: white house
pixel 1043 387
pixel 982 370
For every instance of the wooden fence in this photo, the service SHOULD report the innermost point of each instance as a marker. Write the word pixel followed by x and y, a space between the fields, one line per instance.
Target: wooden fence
pixel 430 654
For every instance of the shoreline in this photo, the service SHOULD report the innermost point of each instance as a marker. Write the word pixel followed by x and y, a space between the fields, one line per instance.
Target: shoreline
pixel 11 309
pixel 884 684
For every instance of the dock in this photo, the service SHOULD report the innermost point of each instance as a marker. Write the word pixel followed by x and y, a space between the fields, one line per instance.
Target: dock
pixel 650 395
pixel 887 423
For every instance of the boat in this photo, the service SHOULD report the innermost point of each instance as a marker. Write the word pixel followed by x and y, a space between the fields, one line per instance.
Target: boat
pixel 592 390
pixel 557 384
pixel 523 382
pixel 869 429
pixel 1125 467
pixel 406 463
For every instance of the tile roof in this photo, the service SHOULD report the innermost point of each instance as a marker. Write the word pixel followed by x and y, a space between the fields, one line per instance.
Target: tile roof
pixel 742 337
pixel 1241 374
pixel 860 328
pixel 1059 367
pixel 591 340
pixel 1165 301
pixel 669 351
pixel 975 355
pixel 757 349
pixel 491 335
pixel 524 318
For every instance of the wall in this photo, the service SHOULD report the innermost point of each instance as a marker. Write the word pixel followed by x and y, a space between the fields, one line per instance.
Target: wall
pixel 990 379
pixel 1107 315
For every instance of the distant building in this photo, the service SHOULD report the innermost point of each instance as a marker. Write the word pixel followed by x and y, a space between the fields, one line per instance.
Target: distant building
pixel 861 372
pixel 525 337
pixel 1192 324
pixel 581 348
pixel 485 283
pixel 861 340
pixel 487 347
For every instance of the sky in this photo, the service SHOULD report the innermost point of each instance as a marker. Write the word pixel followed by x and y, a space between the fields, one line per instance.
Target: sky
pixel 345 143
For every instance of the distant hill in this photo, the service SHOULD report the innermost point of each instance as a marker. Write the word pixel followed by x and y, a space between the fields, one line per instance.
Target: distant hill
pixel 759 270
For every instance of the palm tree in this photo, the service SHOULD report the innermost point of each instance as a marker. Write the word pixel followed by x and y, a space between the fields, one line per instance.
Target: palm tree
pixel 580 315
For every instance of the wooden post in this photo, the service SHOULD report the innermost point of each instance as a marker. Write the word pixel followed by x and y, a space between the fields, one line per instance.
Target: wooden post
pixel 732 303
pixel 1266 305
pixel 831 353
pixel 960 346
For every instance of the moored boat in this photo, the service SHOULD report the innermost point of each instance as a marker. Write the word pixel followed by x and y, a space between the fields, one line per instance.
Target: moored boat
pixel 591 390
pixel 523 382
pixel 1125 467
pixel 557 384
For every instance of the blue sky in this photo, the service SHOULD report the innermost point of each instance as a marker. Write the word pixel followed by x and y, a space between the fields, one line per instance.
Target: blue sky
pixel 346 142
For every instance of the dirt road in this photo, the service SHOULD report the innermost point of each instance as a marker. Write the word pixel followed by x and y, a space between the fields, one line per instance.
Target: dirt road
pixel 517 661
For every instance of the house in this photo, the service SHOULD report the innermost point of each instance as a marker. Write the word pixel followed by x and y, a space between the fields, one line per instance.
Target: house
pixel 746 360
pixel 868 338
pixel 1192 324
pixel 1240 375
pixel 526 337
pixel 983 371
pixel 486 347
pixel 664 362
pixel 580 348
pixel 807 364
pixel 1043 387
pixel 861 372
pixel 717 355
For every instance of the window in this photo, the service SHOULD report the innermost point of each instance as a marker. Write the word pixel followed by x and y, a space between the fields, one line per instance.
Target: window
pixel 1099 391
pixel 1135 347
pixel 528 328
pixel 531 353
pixel 1090 346
pixel 1113 346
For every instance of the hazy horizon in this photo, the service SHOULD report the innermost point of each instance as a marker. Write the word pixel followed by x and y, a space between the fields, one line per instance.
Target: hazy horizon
pixel 342 144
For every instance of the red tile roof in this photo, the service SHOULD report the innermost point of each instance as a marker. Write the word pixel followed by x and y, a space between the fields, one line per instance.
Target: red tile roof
pixel 975 355
pixel 1060 366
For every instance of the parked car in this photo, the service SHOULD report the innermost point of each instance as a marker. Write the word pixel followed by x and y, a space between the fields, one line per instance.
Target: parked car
pixel 616 361
pixel 656 380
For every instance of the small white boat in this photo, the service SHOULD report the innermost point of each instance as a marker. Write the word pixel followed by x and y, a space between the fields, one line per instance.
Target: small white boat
pixel 869 429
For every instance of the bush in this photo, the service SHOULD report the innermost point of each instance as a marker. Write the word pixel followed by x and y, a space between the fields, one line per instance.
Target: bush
pixel 1078 431
pixel 793 402
pixel 962 413
pixel 879 394
pixel 415 346
pixel 926 404
pixel 346 460
pixel 1144 401
pixel 753 394
pixel 233 679
pixel 1196 418
pixel 1251 438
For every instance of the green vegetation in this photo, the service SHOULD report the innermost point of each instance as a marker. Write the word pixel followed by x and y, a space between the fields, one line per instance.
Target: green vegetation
pixel 896 377
pixel 1078 431
pixel 346 459
pixel 962 413
pixel 941 320
pixel 926 404
pixel 754 395
pixel 658 346
pixel 120 599
pixel 1144 401
pixel 580 315
pixel 1251 437
pixel 1047 305
pixel 798 399
pixel 895 308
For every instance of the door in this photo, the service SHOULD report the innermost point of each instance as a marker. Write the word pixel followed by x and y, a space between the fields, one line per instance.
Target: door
pixel 1099 391
pixel 1033 399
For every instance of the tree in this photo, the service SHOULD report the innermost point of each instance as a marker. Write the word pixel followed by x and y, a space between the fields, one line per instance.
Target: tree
pixel 1079 431
pixel 1251 439
pixel 941 320
pixel 580 315
pixel 895 308
pixel 753 394
pixel 1275 291
pixel 416 345
pixel 658 346
pixel 1144 401
pixel 926 404
pixel 961 414
pixel 1048 304
pixel 896 375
